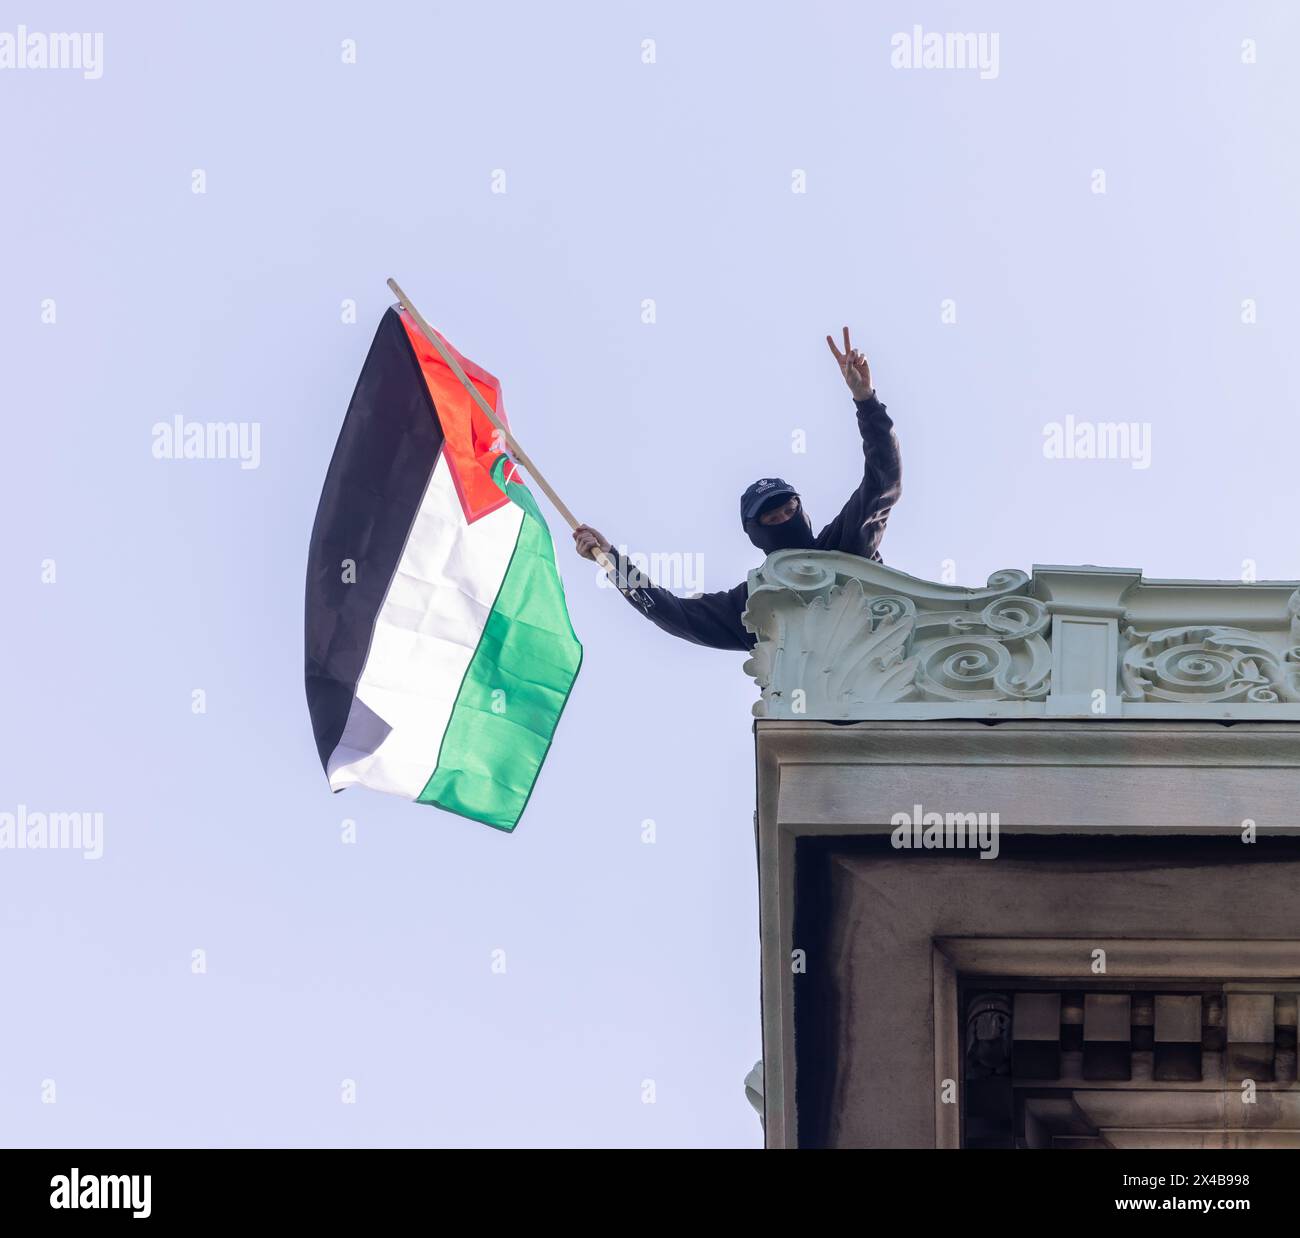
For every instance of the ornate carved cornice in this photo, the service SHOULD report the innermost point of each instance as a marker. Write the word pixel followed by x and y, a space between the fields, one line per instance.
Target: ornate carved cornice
pixel 846 638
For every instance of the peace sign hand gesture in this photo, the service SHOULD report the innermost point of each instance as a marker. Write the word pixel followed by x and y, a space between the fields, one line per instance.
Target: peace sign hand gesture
pixel 853 365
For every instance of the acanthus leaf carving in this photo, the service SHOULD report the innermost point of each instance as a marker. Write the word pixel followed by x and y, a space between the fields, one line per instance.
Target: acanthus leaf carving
pixel 1207 662
pixel 840 637
pixel 850 650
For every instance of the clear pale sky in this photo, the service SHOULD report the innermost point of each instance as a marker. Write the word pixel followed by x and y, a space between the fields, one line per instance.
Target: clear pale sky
pixel 626 181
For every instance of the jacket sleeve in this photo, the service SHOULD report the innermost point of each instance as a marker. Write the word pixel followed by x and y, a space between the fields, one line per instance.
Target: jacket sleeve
pixel 712 619
pixel 861 524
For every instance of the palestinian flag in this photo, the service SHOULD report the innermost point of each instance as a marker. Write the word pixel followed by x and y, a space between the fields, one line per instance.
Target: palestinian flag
pixel 439 649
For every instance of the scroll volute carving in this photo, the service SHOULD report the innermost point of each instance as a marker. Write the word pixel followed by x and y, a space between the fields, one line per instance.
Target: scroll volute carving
pixel 846 642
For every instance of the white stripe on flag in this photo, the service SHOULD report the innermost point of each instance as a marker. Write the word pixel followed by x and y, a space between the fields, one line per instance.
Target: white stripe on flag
pixel 425 635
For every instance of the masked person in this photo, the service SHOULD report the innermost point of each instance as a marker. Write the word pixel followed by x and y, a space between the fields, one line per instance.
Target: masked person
pixel 773 516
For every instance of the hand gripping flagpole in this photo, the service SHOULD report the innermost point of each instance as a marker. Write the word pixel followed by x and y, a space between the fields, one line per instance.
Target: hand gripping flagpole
pixel 509 439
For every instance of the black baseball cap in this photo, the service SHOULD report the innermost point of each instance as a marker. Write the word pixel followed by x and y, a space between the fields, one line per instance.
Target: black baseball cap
pixel 761 494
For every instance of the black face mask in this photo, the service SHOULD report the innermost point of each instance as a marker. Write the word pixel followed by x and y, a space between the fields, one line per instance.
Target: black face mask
pixel 794 534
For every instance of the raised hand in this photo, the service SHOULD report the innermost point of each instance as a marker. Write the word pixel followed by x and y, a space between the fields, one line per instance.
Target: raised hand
pixel 586 540
pixel 853 365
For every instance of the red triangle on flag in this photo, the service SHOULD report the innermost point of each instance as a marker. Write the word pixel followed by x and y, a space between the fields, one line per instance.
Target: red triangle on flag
pixel 469 438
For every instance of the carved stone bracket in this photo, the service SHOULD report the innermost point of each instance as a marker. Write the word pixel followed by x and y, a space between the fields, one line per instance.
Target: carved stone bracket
pixel 841 638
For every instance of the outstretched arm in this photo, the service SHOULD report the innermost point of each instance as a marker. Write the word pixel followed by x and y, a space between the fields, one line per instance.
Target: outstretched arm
pixel 712 619
pixel 861 524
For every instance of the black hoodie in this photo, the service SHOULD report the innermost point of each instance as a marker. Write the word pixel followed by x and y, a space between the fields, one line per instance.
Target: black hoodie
pixel 713 619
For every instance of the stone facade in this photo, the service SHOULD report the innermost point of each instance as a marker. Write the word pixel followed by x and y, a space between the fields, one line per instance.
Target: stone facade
pixel 841 637
pixel 1127 968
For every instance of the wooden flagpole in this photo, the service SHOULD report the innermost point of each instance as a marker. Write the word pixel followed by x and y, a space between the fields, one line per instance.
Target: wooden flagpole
pixel 509 439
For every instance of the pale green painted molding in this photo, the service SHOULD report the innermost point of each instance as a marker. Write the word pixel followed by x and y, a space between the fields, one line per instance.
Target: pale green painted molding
pixel 846 638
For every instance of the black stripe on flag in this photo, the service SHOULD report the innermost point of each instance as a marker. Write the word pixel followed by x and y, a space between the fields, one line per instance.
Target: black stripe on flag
pixel 382 463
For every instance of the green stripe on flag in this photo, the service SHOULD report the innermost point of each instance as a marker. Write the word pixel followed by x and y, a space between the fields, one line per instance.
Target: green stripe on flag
pixel 516 686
